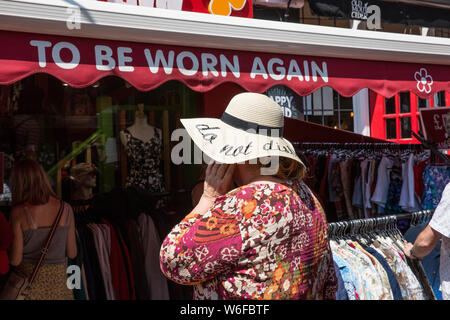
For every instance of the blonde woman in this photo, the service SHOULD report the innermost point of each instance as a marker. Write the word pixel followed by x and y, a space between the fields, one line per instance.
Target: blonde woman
pixel 35 208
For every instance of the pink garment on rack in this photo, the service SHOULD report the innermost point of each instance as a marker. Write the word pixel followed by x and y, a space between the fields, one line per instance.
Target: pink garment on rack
pixel 151 244
pixel 103 259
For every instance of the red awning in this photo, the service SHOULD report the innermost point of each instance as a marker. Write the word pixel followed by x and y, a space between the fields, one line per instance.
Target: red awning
pixel 81 62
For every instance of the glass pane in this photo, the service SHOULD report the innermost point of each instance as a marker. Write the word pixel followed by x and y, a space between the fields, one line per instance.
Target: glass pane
pixel 53 121
pixel 420 125
pixel 391 129
pixel 390 105
pixel 307 102
pixel 323 101
pixel 439 99
pixel 422 103
pixel 405 103
pixel 346 121
pixel 405 124
pixel 344 102
pixel 331 121
pixel 315 119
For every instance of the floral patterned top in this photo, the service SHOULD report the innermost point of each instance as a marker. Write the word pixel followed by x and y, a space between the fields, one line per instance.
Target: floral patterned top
pixel 259 241
pixel 144 158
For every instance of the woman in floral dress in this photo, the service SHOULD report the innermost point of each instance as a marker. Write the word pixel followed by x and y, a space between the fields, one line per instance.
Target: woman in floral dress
pixel 266 239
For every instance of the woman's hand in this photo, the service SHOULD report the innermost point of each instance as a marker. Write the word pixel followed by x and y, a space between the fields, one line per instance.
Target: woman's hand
pixel 218 180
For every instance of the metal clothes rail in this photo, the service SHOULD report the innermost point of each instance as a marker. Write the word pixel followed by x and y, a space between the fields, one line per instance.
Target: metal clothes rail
pixel 378 223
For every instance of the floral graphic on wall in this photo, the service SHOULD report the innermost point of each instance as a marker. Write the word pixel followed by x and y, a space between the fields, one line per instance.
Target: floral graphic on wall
pixel 225 7
pixel 424 80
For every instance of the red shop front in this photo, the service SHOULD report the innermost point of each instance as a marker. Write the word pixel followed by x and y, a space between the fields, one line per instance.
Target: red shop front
pixel 76 95
pixel 208 77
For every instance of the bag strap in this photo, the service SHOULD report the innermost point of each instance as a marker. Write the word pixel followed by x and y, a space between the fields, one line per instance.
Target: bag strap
pixel 47 244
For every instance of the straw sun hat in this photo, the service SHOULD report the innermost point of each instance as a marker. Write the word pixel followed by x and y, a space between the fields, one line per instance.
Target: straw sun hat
pixel 251 127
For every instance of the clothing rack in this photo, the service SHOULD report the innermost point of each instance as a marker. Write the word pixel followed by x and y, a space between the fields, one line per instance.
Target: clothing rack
pixel 356 146
pixel 379 223
pixel 433 149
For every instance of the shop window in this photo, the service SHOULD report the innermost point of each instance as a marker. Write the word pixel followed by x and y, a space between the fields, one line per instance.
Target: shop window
pixel 62 127
pixel 423 103
pixel 346 121
pixel 420 125
pixel 327 107
pixel 405 124
pixel 397 117
pixel 405 102
pixel 391 129
pixel 290 102
pixel 439 99
pixel 390 105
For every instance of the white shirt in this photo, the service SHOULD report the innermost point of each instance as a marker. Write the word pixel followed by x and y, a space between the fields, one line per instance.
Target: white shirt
pixel 441 223
pixel 407 196
pixel 380 194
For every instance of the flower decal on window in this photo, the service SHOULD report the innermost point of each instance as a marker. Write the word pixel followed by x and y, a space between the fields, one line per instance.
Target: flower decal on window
pixel 225 7
pixel 424 80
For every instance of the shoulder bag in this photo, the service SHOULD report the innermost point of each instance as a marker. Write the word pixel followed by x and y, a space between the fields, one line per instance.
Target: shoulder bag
pixel 18 285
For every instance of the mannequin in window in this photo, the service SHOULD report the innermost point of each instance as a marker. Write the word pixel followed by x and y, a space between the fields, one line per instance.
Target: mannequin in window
pixel 143 147
pixel 84 178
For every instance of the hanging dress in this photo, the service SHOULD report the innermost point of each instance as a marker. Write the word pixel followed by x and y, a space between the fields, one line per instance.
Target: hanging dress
pixel 144 159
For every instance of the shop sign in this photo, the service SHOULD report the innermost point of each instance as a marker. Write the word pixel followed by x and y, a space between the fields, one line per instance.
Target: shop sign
pixel 359 10
pixel 288 100
pixel 81 62
pixel 436 125
pixel 235 8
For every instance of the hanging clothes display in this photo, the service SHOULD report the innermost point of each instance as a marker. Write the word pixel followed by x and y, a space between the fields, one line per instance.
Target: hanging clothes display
pixel 356 181
pixel 119 238
pixel 435 178
pixel 370 261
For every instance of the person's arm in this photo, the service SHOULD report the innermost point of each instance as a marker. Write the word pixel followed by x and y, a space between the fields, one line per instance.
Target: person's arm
pixel 424 244
pixel 16 252
pixel 438 227
pixel 207 241
pixel 71 246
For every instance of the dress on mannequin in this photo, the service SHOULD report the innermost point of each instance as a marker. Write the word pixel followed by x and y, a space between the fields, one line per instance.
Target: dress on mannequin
pixel 143 147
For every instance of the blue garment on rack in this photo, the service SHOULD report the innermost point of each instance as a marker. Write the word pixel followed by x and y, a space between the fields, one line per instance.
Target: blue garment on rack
pixel 435 178
pixel 341 293
pixel 394 191
pixel 431 262
pixel 395 287
pixel 348 276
